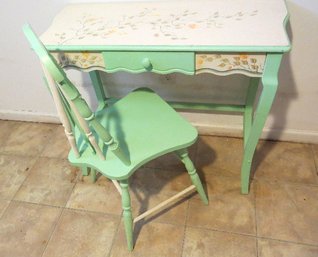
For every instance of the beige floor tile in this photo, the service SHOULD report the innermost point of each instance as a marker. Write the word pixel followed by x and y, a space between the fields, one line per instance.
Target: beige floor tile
pixel 25 229
pixel 201 243
pixel 13 171
pixel 152 239
pixel 218 185
pixel 171 161
pixel 6 127
pixel 228 210
pixel 272 248
pixel 220 155
pixel 283 161
pixel 99 197
pixel 50 182
pixel 82 234
pixel 28 139
pixel 287 212
pixel 159 181
pixel 58 146
pixel 3 206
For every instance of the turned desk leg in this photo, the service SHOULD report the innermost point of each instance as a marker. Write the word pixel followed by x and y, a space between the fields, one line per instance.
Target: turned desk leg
pixel 270 83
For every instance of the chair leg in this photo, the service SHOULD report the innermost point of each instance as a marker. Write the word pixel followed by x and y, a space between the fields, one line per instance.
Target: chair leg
pixel 84 170
pixel 184 157
pixel 93 175
pixel 127 214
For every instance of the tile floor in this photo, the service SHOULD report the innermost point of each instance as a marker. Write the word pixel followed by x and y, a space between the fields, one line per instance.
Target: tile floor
pixel 48 209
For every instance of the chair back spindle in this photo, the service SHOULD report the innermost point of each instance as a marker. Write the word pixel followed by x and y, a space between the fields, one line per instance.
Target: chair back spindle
pixel 85 117
pixel 61 112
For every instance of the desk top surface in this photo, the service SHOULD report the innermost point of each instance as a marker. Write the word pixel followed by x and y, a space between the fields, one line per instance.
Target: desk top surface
pixel 207 25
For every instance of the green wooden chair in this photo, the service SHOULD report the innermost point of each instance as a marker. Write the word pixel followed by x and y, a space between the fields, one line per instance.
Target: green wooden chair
pixel 119 139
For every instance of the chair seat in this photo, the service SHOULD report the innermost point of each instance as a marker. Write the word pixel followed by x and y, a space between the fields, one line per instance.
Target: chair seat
pixel 144 125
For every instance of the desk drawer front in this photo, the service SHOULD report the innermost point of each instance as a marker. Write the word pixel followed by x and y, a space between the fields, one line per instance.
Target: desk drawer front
pixel 159 62
pixel 229 63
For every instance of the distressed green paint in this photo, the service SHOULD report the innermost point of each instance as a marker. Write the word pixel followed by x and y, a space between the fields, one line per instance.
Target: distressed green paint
pixel 249 107
pixel 93 175
pixel 184 157
pixel 270 84
pixel 131 132
pixel 135 121
pixel 71 92
pixel 252 127
pixel 127 214
pixel 159 62
pixel 85 170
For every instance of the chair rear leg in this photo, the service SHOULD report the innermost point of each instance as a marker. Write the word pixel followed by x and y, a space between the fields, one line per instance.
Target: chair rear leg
pixel 93 175
pixel 85 170
pixel 127 214
pixel 89 171
pixel 184 157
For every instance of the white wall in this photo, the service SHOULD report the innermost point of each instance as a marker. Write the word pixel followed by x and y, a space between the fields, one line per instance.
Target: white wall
pixel 293 116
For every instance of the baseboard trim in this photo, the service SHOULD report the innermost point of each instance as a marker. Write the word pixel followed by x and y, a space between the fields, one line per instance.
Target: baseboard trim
pixel 292 135
pixel 29 116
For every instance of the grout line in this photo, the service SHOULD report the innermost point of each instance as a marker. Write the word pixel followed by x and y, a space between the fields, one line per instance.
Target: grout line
pixel 185 228
pixel 40 204
pixel 253 236
pixel 29 172
pixel 96 212
pixel 53 230
pixel 74 185
pixel 114 237
pixel 286 241
pixel 222 231
pixel 160 222
pixel 67 208
pixel 280 182
pixel 272 180
pixel 6 208
pixel 19 154
pixel 254 185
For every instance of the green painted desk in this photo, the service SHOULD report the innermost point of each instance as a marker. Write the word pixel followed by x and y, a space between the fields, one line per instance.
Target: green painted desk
pixel 220 37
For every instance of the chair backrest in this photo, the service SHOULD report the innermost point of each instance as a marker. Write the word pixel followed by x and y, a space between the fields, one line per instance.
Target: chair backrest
pixel 72 108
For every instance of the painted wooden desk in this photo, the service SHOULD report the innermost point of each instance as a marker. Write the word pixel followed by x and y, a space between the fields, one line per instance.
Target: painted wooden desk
pixel 220 37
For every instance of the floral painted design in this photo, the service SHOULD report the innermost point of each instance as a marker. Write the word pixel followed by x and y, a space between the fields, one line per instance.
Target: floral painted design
pixel 83 60
pixel 173 26
pixel 226 62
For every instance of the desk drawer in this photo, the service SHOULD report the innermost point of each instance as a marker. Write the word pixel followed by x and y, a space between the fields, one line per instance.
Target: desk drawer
pixel 159 62
pixel 250 64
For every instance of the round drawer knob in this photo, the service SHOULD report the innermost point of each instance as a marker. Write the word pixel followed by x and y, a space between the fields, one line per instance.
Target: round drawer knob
pixel 146 63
